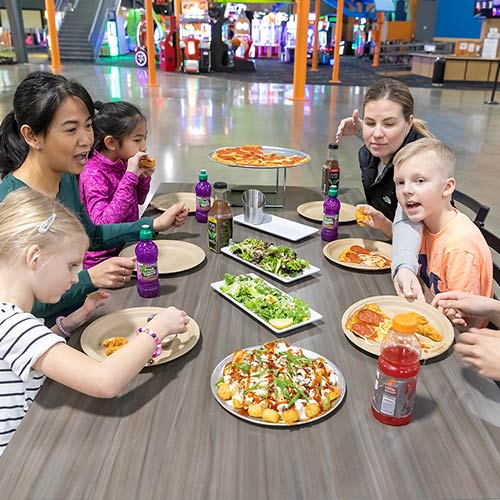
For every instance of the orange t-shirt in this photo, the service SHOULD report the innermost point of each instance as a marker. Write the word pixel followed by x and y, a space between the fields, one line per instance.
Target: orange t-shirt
pixel 456 258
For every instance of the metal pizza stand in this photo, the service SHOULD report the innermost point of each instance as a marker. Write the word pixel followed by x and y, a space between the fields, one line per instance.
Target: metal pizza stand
pixel 275 195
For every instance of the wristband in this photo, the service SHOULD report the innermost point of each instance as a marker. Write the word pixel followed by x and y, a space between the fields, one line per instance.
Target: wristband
pixel 61 328
pixel 158 349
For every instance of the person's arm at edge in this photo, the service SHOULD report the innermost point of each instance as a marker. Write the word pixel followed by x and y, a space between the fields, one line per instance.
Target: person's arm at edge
pixel 406 241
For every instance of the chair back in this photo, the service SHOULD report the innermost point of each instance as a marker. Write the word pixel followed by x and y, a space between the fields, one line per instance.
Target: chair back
pixel 479 210
pixel 494 243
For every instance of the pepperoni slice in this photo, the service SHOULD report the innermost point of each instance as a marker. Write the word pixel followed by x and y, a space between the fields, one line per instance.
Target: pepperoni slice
pixel 363 329
pixel 353 257
pixel 371 317
pixel 359 249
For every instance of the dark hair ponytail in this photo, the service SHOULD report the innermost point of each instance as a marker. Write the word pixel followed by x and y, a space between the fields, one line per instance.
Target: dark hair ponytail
pixel 116 119
pixel 13 148
pixel 36 100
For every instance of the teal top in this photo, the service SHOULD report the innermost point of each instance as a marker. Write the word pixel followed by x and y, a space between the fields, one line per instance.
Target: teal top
pixel 100 236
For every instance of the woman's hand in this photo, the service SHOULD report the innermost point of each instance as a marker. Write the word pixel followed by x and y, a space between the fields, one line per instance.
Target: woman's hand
pixel 134 165
pixel 175 216
pixel 349 126
pixel 94 301
pixel 480 349
pixel 462 307
pixel 407 285
pixel 113 272
pixel 377 219
pixel 170 321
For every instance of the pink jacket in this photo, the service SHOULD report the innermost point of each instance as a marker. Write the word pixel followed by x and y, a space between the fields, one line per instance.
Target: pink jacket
pixel 110 195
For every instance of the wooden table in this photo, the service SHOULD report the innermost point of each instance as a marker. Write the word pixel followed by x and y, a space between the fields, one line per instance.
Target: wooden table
pixel 167 437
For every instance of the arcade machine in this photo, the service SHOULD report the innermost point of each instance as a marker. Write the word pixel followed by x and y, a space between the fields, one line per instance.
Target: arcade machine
pixel 222 52
pixel 242 36
pixel 141 53
pixel 195 35
pixel 290 40
pixel 325 33
pixel 266 32
pixel 167 47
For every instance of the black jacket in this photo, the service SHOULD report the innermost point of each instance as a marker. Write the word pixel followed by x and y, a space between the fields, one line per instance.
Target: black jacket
pixel 381 194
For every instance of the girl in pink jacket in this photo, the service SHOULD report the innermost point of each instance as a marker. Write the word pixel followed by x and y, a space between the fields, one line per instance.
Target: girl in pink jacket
pixel 115 182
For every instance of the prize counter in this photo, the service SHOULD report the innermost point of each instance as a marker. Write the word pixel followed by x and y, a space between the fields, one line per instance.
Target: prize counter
pixel 457 68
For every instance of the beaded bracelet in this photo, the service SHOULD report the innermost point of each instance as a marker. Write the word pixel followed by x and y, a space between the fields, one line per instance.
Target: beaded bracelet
pixel 158 349
pixel 61 328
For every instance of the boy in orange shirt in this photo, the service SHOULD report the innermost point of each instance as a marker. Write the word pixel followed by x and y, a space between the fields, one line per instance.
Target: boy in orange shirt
pixel 453 254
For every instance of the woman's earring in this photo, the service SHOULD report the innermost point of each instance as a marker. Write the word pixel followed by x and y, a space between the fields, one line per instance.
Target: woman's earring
pixel 38 148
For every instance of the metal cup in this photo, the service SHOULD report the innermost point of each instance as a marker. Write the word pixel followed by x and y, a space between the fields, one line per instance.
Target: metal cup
pixel 254 202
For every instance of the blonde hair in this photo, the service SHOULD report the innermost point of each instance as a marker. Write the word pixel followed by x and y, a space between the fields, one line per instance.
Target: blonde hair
pixel 28 217
pixel 427 145
pixel 398 92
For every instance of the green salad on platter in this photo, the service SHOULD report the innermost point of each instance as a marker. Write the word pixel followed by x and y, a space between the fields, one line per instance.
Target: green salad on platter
pixel 280 260
pixel 271 304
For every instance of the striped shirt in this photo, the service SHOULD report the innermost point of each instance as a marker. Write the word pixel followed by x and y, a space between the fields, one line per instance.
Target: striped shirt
pixel 23 339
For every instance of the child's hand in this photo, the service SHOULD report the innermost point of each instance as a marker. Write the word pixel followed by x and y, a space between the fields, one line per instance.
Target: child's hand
pixel 376 219
pixel 113 272
pixel 134 165
pixel 175 216
pixel 170 321
pixel 94 301
pixel 407 285
pixel 349 126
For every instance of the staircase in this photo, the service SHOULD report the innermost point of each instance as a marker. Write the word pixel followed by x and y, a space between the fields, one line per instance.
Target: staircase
pixel 82 30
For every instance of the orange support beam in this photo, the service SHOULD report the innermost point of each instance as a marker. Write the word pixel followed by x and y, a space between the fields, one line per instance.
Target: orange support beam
pixel 338 39
pixel 54 41
pixel 315 44
pixel 178 53
pixel 300 59
pixel 380 23
pixel 150 43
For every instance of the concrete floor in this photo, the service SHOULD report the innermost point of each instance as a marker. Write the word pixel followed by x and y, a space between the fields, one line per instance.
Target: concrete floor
pixel 190 115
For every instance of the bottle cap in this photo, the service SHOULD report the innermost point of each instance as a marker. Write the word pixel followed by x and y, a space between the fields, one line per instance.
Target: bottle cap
pixel 220 185
pixel 146 232
pixel 203 175
pixel 333 146
pixel 405 323
pixel 332 192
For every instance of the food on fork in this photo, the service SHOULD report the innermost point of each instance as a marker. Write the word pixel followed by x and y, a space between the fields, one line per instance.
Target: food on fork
pixel 147 162
pixel 361 217
pixel 112 344
pixel 357 254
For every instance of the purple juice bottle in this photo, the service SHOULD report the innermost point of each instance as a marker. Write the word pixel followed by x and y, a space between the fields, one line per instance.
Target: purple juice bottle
pixel 146 251
pixel 331 210
pixel 203 189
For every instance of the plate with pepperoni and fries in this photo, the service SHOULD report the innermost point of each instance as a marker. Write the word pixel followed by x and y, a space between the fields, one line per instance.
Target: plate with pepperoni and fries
pixel 256 156
pixel 368 321
pixel 360 254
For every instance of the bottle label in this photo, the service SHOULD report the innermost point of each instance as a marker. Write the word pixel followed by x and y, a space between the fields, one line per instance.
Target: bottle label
pixel 212 233
pixel 333 178
pixel 219 232
pixel 203 203
pixel 147 272
pixel 394 397
pixel 330 222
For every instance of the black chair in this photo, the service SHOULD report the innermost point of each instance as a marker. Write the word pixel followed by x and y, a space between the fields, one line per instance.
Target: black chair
pixel 494 244
pixel 480 211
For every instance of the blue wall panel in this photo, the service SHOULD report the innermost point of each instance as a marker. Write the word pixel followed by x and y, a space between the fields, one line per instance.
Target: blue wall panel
pixel 454 19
